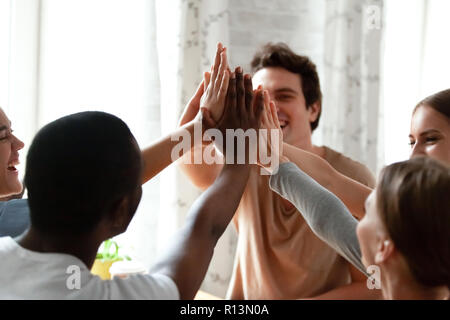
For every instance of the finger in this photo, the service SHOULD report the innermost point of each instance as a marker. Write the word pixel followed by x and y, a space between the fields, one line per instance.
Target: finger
pixel 273 109
pixel 195 100
pixel 259 105
pixel 240 92
pixel 266 115
pixel 224 87
pixel 222 69
pixel 216 63
pixel 248 92
pixel 206 79
pixel 231 95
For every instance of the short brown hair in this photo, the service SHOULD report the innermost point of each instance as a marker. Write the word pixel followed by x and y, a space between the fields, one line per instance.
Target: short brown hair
pixel 439 101
pixel 280 55
pixel 414 203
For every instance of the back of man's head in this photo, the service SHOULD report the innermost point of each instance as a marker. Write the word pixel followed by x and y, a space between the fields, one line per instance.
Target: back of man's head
pixel 78 168
pixel 280 55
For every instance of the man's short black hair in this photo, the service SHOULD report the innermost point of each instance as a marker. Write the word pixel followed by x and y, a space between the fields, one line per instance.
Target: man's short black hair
pixel 78 168
pixel 280 55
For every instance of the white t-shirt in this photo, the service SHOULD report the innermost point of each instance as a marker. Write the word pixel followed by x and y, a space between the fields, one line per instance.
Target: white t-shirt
pixel 26 274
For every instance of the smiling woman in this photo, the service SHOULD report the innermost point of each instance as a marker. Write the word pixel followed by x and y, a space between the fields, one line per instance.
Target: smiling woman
pixel 14 218
pixel 9 158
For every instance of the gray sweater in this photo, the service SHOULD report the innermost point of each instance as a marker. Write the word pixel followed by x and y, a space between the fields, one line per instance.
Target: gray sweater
pixel 325 214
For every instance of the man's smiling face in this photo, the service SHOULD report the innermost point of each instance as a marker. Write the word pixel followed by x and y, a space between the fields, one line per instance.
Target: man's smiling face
pixel 285 90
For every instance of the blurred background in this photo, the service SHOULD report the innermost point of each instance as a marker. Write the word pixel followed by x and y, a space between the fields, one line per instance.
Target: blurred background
pixel 142 60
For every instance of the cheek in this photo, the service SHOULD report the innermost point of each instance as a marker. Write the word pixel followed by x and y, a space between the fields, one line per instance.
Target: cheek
pixel 440 151
pixel 363 231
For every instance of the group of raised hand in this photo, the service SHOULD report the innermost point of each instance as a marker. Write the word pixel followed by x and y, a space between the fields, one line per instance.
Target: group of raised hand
pixel 226 99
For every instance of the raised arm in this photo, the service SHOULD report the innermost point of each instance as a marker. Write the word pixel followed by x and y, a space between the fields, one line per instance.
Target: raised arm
pixel 351 192
pixel 211 95
pixel 325 214
pixel 203 175
pixel 187 260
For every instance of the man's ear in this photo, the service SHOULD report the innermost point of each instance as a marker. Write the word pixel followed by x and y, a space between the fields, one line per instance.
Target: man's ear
pixel 314 111
pixel 385 250
pixel 121 215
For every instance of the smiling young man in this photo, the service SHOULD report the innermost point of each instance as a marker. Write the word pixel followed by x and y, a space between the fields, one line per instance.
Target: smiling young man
pixel 278 256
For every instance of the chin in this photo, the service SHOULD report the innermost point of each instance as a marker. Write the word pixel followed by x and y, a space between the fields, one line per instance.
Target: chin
pixel 11 189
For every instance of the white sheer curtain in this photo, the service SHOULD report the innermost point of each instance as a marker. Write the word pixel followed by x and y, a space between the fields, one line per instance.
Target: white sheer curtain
pixel 65 56
pixel 352 118
pixel 416 64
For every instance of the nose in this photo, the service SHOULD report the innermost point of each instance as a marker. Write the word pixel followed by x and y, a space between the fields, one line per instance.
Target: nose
pixel 418 150
pixel 17 143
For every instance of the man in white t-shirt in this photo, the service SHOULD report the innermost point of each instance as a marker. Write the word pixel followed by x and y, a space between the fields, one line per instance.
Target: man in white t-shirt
pixel 83 175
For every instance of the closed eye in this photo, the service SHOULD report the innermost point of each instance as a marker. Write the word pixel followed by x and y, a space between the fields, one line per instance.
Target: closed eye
pixel 5 133
pixel 284 97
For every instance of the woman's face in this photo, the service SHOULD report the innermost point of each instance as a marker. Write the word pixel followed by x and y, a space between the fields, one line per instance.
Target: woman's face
pixel 9 158
pixel 430 134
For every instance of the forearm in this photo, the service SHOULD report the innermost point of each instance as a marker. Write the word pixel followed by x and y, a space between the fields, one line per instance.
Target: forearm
pixel 187 260
pixel 202 175
pixel 349 191
pixel 216 206
pixel 326 215
pixel 161 154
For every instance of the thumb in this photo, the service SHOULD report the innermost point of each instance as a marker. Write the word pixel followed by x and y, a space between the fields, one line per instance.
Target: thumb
pixel 195 100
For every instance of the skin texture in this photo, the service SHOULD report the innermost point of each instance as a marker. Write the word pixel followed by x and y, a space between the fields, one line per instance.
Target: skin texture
pixel 430 134
pixel 285 90
pixel 9 156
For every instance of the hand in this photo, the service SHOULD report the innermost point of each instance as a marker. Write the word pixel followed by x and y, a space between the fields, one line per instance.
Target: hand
pixel 209 94
pixel 270 122
pixel 216 85
pixel 192 108
pixel 243 108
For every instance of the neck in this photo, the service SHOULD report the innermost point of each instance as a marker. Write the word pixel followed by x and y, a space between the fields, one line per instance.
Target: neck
pixel 395 287
pixel 83 247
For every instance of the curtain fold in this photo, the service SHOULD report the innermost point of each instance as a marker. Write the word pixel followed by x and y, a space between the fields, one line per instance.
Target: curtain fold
pixel 351 111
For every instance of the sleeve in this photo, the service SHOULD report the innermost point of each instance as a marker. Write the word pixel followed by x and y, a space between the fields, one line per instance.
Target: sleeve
pixel 325 214
pixel 144 287
pixel 14 217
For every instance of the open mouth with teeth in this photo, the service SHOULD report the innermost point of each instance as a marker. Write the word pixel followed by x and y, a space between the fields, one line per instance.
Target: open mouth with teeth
pixel 12 166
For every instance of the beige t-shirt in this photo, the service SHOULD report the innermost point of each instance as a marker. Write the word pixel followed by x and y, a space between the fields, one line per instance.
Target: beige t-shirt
pixel 278 256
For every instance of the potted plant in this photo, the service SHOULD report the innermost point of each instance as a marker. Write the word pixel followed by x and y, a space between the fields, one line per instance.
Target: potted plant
pixel 105 259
